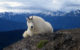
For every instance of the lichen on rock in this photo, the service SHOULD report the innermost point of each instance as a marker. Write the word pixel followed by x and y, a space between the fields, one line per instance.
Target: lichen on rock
pixel 42 43
pixel 55 41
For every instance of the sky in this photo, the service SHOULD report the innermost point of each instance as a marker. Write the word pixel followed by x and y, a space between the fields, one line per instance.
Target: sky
pixel 37 5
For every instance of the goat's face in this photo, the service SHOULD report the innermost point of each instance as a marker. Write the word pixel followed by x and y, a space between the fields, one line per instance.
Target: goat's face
pixel 30 23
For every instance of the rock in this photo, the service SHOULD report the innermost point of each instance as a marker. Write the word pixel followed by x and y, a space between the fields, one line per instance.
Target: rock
pixel 60 40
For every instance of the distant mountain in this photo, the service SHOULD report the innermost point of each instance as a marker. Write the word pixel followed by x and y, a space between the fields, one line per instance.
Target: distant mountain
pixel 58 19
pixel 12 25
pixel 20 17
pixel 7 25
pixel 9 37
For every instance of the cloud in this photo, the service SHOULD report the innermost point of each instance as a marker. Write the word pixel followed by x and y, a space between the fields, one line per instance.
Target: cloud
pixel 20 10
pixel 11 4
pixel 52 5
pixel 65 5
pixel 14 6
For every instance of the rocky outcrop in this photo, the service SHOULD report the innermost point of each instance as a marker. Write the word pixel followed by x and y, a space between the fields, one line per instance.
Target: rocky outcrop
pixel 60 40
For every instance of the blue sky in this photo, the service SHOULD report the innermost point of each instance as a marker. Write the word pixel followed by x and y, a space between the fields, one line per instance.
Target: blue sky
pixel 36 5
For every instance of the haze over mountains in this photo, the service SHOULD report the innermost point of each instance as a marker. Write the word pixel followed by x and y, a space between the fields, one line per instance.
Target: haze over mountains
pixel 59 20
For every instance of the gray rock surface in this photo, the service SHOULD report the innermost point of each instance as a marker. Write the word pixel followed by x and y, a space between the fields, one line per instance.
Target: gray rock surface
pixel 60 40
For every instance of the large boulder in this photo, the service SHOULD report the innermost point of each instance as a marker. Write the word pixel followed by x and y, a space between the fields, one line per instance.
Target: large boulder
pixel 60 40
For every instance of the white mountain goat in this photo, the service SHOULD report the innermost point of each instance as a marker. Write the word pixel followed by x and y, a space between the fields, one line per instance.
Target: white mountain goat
pixel 37 25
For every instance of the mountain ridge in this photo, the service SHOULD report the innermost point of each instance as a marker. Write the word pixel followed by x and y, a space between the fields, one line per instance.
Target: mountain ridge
pixel 67 20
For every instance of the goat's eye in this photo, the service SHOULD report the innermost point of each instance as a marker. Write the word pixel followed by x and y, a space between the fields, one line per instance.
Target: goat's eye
pixel 31 26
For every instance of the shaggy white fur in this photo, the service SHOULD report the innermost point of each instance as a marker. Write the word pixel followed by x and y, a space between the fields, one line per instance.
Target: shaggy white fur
pixel 37 25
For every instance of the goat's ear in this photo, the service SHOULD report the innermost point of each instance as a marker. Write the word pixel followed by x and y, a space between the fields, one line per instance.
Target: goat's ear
pixel 31 18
